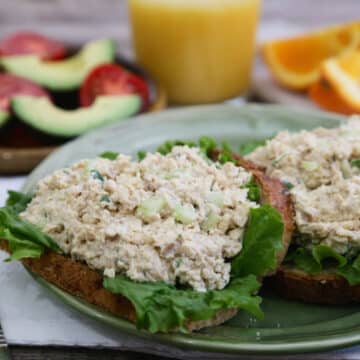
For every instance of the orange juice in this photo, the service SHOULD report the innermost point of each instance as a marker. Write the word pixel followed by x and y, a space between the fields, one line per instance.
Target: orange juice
pixel 201 51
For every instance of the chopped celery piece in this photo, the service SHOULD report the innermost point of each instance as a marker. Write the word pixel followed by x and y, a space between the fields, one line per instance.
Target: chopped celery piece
pixel 216 197
pixel 151 207
pixel 211 220
pixel 310 165
pixel 185 214
pixel 173 174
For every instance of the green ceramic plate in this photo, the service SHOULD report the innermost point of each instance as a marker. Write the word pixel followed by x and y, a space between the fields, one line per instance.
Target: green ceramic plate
pixel 289 327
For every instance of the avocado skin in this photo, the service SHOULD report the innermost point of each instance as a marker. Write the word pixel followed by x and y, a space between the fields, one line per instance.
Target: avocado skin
pixel 66 99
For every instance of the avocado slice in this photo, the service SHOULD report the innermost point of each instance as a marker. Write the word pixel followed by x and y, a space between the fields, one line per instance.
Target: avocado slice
pixel 4 117
pixel 41 114
pixel 61 75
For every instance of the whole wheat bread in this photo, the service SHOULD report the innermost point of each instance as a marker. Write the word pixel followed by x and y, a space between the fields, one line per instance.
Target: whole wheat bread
pixel 324 288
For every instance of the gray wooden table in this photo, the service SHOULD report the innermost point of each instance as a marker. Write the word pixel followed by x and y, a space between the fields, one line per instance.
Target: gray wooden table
pixel 81 20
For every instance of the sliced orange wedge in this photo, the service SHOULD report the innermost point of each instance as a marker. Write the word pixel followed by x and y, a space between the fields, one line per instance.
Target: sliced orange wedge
pixel 343 74
pixel 295 62
pixel 325 97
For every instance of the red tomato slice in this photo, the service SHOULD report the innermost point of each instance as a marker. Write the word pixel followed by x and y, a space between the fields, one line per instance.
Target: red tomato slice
pixel 112 79
pixel 11 85
pixel 27 42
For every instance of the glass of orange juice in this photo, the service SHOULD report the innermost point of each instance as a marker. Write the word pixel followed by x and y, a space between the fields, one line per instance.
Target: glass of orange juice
pixel 201 51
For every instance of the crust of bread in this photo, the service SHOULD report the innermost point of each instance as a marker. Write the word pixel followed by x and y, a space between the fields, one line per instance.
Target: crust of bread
pixel 324 288
pixel 79 280
pixel 273 192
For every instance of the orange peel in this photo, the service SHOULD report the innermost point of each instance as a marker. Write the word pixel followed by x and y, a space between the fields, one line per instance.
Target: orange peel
pixel 343 74
pixel 326 98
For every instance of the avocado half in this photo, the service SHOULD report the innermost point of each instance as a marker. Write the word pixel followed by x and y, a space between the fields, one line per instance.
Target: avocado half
pixel 61 75
pixel 4 117
pixel 41 114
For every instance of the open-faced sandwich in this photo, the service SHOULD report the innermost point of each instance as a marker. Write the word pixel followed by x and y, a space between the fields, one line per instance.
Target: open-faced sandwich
pixel 321 168
pixel 178 240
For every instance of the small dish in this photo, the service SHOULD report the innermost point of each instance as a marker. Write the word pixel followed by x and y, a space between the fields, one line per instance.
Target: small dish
pixel 15 160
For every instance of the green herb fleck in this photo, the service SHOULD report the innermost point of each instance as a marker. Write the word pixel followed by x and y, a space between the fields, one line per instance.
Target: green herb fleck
pixel 288 185
pixel 105 198
pixel 276 161
pixel 96 175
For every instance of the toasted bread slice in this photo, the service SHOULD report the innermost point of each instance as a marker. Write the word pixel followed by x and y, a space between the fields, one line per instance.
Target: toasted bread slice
pixel 78 279
pixel 324 288
pixel 273 192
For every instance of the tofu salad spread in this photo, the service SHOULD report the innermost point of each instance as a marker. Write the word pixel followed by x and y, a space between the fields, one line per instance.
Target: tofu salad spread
pixel 322 170
pixel 176 218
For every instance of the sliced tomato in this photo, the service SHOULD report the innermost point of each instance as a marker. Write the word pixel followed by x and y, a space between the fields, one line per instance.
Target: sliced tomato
pixel 27 42
pixel 11 85
pixel 112 79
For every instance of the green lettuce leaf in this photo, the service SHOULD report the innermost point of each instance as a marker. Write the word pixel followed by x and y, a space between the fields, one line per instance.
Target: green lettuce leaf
pixel 227 154
pixel 162 307
pixel 355 163
pixel 206 145
pixel 303 259
pixel 167 146
pixel 141 155
pixel 351 271
pixel 322 258
pixel 17 201
pixel 111 155
pixel 250 146
pixel 25 239
pixel 254 191
pixel 322 252
pixel 262 240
